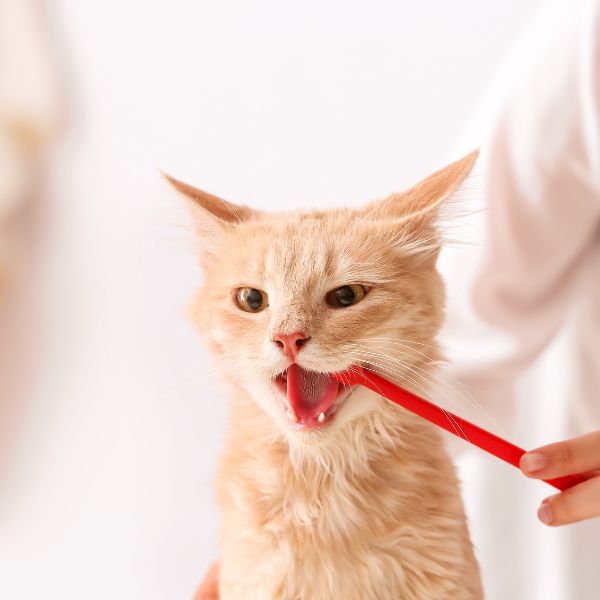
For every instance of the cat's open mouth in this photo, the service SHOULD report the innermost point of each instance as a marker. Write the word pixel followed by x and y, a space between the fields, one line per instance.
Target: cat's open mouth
pixel 313 398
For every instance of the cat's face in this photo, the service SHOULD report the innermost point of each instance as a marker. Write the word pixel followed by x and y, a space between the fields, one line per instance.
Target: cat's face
pixel 289 299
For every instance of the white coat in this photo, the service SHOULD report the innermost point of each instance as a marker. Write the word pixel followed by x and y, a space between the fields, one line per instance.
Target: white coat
pixel 523 328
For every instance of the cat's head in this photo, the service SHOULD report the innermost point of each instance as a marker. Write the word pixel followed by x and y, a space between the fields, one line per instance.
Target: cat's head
pixel 290 298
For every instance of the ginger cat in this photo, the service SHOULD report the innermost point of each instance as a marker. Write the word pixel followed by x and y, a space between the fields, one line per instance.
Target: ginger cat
pixel 330 492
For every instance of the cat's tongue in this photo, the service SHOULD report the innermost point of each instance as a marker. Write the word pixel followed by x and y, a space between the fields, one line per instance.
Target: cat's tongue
pixel 310 394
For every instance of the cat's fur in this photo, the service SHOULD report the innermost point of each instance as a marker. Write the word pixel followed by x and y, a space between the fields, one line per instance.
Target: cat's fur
pixel 369 507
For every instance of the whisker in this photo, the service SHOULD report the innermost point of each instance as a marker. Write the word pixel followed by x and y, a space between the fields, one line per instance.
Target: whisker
pixel 421 388
pixel 195 376
pixel 449 416
pixel 459 391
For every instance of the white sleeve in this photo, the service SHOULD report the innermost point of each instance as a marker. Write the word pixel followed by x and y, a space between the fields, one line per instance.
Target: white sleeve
pixel 538 182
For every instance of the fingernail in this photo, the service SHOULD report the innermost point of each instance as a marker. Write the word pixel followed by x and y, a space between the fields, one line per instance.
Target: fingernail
pixel 545 513
pixel 533 462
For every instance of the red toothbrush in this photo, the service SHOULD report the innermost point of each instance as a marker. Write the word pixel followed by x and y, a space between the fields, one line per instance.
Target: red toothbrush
pixel 446 420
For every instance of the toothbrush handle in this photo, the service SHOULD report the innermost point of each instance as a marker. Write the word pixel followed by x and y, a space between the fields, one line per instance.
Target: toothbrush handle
pixel 446 420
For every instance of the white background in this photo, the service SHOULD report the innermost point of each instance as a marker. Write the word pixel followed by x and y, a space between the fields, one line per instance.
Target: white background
pixel 112 422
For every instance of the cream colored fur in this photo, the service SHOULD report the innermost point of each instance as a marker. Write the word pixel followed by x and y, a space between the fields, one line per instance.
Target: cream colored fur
pixel 368 508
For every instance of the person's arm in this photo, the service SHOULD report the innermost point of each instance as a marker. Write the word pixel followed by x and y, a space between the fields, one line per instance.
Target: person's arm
pixel 540 171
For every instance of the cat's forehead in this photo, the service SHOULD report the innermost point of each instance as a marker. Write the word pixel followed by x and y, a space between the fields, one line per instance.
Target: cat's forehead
pixel 309 248
pixel 293 246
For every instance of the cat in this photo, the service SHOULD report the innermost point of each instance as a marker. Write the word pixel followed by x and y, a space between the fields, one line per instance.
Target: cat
pixel 327 491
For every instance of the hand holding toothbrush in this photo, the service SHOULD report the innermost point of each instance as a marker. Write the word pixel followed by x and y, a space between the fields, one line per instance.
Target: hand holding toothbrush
pixel 581 456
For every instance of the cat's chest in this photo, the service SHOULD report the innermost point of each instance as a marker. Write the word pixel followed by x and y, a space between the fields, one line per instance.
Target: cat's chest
pixel 370 535
pixel 320 506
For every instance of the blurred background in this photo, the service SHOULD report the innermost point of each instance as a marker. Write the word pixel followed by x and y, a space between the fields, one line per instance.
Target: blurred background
pixel 110 420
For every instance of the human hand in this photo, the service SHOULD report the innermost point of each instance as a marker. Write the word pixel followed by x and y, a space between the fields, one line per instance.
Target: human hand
pixel 209 588
pixel 580 455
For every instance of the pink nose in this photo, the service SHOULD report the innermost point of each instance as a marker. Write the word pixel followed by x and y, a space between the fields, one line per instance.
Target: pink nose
pixel 290 344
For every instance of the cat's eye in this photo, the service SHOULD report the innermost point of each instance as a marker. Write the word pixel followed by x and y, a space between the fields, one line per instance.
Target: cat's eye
pixel 251 299
pixel 346 295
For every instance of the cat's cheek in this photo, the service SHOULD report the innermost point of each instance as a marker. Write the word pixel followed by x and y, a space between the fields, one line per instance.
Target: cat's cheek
pixel 263 394
pixel 361 402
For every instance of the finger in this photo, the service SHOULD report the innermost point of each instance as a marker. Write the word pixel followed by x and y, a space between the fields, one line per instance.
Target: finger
pixel 209 588
pixel 578 455
pixel 575 504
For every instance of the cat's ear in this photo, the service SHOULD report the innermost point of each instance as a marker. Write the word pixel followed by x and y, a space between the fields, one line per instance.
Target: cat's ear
pixel 211 207
pixel 415 213
pixel 212 217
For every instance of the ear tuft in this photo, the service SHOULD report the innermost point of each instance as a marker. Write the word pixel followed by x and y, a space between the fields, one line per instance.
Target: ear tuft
pixel 410 220
pixel 421 203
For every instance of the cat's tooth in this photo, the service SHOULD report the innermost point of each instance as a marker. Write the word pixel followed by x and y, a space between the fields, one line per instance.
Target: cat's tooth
pixel 321 417
pixel 292 416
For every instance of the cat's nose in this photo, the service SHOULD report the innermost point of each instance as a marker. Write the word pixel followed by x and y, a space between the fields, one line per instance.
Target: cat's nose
pixel 290 344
